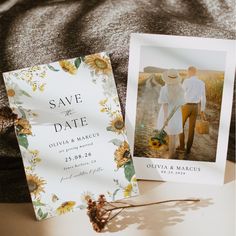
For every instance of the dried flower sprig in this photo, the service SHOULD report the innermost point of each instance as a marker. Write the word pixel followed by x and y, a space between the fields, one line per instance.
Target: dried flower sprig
pixel 7 119
pixel 100 211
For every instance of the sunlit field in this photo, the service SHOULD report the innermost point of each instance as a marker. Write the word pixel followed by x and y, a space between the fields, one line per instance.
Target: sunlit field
pixel 204 147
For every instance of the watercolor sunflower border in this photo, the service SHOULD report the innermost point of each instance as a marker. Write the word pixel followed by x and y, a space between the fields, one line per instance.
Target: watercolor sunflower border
pixel 111 106
pixel 35 77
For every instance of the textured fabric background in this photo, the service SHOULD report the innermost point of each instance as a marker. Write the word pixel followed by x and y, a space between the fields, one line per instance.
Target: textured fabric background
pixel 35 32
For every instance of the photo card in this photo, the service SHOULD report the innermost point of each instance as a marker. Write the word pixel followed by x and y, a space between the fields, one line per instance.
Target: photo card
pixel 178 107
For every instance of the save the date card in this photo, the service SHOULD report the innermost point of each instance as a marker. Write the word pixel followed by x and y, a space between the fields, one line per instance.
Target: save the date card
pixel 71 134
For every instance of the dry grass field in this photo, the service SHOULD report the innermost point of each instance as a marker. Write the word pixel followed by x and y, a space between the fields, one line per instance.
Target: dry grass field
pixel 149 85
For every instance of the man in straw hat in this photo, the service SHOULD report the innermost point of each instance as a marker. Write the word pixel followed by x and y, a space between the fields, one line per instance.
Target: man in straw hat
pixel 195 94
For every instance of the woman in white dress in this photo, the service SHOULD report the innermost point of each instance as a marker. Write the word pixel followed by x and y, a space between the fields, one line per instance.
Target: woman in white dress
pixel 171 97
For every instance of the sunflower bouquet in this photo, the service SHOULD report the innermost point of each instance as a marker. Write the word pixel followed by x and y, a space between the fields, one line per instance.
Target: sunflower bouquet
pixel 159 140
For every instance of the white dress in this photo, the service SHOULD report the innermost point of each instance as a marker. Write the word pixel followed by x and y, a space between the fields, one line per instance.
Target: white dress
pixel 175 125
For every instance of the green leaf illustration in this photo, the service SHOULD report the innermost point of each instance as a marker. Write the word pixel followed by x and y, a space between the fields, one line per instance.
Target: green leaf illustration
pixel 25 93
pixel 40 213
pixel 114 194
pixel 22 112
pixel 82 58
pixel 52 68
pixel 109 128
pixel 23 141
pixel 129 170
pixel 77 62
pixel 38 203
pixel 44 215
pixel 116 142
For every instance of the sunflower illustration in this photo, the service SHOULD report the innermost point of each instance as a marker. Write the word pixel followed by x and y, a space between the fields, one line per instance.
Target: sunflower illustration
pixel 23 126
pixel 128 190
pixel 13 91
pixel 65 207
pixel 122 154
pixel 117 124
pixel 98 63
pixel 68 67
pixel 36 185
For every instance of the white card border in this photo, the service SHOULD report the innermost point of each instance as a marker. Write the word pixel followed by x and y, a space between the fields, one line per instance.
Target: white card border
pixel 211 173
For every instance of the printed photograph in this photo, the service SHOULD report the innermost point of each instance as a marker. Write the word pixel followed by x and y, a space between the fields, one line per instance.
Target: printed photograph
pixel 179 103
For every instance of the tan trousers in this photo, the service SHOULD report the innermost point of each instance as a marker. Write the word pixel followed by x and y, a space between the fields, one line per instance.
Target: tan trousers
pixel 189 110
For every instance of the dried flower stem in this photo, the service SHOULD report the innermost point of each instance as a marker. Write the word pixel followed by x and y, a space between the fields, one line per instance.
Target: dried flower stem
pixel 100 211
pixel 151 203
pixel 116 214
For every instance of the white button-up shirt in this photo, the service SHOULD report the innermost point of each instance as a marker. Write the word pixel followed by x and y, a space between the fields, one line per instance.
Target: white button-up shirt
pixel 194 89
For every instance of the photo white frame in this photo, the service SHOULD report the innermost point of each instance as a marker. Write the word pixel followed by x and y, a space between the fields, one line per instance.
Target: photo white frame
pixel 166 169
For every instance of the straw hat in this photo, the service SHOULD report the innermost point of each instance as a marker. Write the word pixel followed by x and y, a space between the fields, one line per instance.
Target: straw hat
pixel 171 76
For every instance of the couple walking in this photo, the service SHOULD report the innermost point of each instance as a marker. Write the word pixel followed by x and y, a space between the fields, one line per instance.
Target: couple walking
pixel 185 99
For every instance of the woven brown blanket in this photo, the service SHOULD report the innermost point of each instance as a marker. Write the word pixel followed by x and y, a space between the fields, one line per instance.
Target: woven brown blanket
pixel 39 31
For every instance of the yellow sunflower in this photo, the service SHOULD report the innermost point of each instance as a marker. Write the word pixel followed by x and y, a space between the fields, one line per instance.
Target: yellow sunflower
pixel 117 124
pixel 23 126
pixel 98 63
pixel 154 144
pixel 65 207
pixel 68 67
pixel 128 190
pixel 36 185
pixel 122 154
